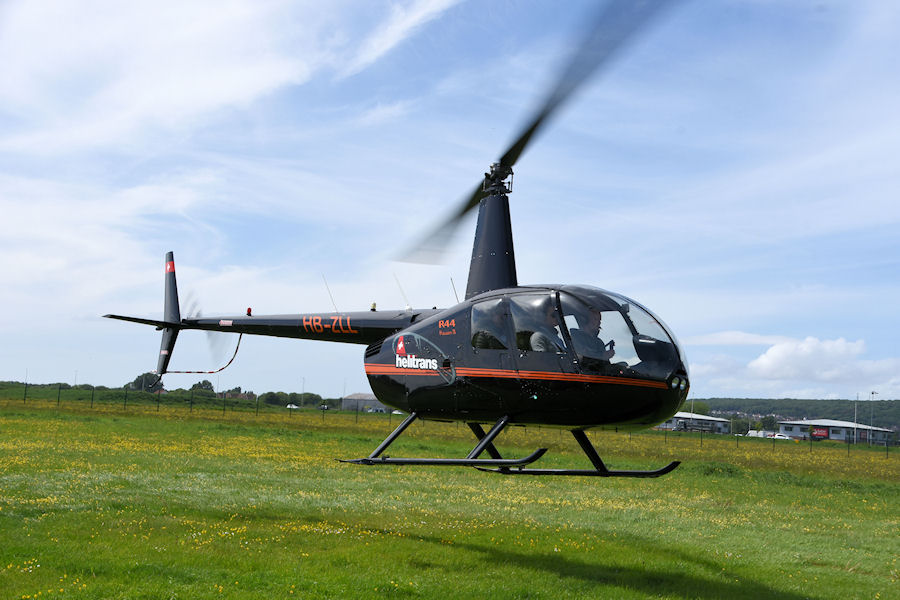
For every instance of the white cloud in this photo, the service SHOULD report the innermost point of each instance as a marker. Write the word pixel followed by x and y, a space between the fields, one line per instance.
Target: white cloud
pixel 735 338
pixel 799 368
pixel 92 74
pixel 810 359
pixel 381 113
pixel 403 22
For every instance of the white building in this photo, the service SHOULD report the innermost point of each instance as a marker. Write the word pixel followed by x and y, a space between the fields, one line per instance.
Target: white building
pixel 686 421
pixel 362 403
pixel 829 429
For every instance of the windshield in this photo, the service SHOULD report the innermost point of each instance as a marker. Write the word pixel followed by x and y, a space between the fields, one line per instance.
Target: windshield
pixel 613 335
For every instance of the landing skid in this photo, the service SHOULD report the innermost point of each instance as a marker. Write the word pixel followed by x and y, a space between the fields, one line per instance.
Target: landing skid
pixel 599 470
pixel 498 464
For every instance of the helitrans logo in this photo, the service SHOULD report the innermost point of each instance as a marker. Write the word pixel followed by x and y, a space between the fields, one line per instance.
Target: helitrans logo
pixel 411 361
pixel 414 362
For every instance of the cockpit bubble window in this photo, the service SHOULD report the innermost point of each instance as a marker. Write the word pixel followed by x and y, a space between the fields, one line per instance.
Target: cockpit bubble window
pixel 537 324
pixel 644 322
pixel 613 334
pixel 489 325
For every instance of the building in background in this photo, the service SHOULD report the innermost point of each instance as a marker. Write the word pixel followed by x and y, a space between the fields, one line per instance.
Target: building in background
pixel 685 421
pixel 362 403
pixel 829 429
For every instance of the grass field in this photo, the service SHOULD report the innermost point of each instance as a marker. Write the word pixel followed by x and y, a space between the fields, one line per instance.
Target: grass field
pixel 140 503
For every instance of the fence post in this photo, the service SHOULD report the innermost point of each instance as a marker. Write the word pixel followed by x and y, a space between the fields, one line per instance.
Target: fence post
pixel 25 395
pixel 58 393
pixel 125 406
pixel 92 396
pixel 257 404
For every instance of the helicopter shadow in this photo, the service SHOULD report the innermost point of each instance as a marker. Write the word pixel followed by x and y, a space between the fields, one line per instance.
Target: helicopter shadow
pixel 666 581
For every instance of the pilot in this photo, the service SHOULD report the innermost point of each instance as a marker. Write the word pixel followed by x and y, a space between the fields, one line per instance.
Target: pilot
pixel 585 339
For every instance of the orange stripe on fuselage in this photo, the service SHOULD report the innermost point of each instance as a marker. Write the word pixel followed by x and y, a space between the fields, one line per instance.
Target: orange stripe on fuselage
pixel 379 369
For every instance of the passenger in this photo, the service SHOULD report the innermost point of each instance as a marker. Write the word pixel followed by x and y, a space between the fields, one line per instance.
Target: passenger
pixel 547 339
pixel 490 332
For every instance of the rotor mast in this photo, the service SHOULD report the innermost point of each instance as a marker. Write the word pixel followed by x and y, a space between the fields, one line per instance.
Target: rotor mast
pixel 493 264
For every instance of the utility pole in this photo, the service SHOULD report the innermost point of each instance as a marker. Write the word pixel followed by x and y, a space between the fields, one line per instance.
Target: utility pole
pixel 871 415
pixel 692 412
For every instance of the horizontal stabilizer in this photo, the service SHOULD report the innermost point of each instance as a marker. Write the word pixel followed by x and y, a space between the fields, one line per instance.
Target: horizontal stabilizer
pixel 157 324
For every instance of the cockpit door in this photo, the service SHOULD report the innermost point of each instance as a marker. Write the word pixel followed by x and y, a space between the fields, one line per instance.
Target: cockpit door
pixel 541 347
pixel 487 381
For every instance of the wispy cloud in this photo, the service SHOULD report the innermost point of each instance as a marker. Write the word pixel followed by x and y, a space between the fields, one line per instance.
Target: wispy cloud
pixel 382 113
pixel 735 338
pixel 96 73
pixel 403 22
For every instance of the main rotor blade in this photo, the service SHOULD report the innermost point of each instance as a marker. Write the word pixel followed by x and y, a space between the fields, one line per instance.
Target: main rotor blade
pixel 431 249
pixel 617 23
pixel 614 26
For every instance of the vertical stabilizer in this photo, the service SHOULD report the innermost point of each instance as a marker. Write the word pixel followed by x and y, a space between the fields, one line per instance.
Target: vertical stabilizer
pixel 171 314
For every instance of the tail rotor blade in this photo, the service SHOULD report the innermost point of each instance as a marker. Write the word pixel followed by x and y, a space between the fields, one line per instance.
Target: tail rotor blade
pixel 216 342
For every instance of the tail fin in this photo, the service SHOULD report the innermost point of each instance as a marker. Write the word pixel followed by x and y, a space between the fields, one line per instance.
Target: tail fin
pixel 171 315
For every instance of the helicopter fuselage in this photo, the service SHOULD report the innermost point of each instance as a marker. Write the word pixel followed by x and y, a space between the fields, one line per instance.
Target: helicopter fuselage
pixel 526 352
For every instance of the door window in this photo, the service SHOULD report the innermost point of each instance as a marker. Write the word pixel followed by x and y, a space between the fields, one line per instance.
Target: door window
pixel 489 330
pixel 536 322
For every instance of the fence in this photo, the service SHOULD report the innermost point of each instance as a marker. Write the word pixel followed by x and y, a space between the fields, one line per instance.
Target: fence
pixel 618 446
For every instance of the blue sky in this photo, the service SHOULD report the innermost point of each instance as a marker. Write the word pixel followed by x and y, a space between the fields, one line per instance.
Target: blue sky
pixel 736 171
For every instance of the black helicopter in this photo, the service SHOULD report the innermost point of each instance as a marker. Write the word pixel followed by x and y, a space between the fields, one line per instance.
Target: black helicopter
pixel 569 356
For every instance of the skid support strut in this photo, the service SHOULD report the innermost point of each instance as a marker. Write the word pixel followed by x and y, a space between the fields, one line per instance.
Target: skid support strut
pixel 485 443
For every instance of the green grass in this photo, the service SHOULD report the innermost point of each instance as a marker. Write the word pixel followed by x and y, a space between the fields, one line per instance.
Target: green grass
pixel 115 503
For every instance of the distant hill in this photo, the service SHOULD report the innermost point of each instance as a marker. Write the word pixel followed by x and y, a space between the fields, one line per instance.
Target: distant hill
pixel 883 413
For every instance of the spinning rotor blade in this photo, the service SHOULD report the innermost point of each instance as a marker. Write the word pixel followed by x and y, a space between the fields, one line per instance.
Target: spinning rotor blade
pixel 216 343
pixel 617 23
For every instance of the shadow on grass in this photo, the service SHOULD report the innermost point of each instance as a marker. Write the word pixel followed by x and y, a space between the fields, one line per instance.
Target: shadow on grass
pixel 667 581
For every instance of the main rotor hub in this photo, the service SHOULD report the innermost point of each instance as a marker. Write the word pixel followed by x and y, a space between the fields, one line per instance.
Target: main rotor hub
pixel 499 180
